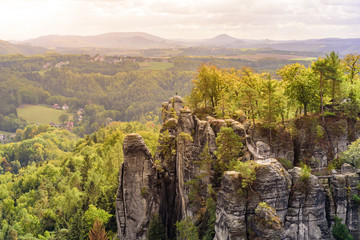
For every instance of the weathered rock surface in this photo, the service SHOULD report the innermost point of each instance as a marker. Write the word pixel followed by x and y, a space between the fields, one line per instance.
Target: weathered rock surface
pixel 306 215
pixel 279 146
pixel 136 199
pixel 175 103
pixel 311 141
pixel 236 216
pixel 344 186
pixel 182 167
pixel 266 224
pixel 230 210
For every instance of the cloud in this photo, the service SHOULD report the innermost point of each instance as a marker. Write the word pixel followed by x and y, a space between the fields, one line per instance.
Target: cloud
pixel 277 19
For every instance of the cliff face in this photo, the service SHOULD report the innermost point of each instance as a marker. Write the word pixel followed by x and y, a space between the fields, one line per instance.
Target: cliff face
pixel 137 197
pixel 280 204
pixel 307 139
pixel 236 215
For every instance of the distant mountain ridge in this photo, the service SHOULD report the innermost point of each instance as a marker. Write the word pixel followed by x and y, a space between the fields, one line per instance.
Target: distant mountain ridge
pixel 141 40
pixel 7 48
pixel 123 40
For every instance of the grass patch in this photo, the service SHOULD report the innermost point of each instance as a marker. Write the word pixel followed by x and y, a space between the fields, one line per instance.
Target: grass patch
pixel 40 114
pixel 156 65
pixel 305 59
pixel 5 133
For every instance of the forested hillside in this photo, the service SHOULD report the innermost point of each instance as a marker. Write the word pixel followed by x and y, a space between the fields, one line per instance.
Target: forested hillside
pixel 105 87
pixel 55 186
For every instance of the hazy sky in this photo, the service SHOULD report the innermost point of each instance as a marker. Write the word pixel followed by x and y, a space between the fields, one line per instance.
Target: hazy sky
pixel 256 19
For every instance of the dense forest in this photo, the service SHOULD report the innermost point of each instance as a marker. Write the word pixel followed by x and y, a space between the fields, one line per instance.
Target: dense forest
pixel 54 185
pixel 327 85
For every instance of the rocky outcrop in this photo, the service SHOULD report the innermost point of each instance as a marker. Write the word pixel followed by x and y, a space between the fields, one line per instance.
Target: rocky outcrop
pixel 344 188
pixel 279 204
pixel 266 223
pixel 306 139
pixel 187 137
pixel 137 196
pixel 236 215
pixel 279 146
pixel 299 206
pixel 306 214
pixel 230 209
pixel 172 107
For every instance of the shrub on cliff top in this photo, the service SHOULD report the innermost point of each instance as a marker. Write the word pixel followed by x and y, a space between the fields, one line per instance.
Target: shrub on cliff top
pixel 247 171
pixel 305 173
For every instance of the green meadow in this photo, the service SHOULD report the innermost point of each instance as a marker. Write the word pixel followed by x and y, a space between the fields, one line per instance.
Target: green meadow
pixel 40 114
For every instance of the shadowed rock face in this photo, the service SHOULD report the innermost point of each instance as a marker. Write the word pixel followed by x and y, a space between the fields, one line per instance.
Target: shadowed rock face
pixel 137 197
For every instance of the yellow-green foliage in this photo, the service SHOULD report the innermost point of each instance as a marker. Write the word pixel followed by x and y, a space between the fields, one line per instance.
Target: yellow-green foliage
pixel 247 171
pixel 64 196
pixel 320 131
pixel 351 155
pixel 185 137
pixel 167 146
pixel 305 173
pixel 173 113
pixel 186 230
pixel 268 215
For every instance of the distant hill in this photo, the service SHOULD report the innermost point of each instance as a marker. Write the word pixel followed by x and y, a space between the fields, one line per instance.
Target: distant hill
pixel 222 40
pixel 140 41
pixel 9 48
pixel 123 40
pixel 342 46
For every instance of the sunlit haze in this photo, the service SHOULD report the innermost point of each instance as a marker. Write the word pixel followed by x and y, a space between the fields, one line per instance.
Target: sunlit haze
pixel 186 19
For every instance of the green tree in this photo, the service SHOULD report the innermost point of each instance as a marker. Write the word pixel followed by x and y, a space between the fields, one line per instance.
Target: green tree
pixel 229 148
pixel 156 229
pixel 249 91
pixel 320 68
pixel 340 231
pixel 208 85
pixel 299 84
pixel 351 154
pixel 63 118
pixel 351 65
pixel 333 74
pixel 269 109
pixel 186 230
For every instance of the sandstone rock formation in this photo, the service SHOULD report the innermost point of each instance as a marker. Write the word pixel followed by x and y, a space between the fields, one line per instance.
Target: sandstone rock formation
pixel 306 215
pixel 137 198
pixel 279 205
